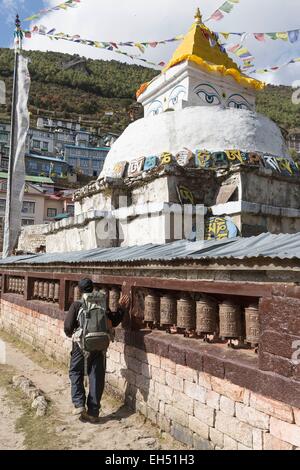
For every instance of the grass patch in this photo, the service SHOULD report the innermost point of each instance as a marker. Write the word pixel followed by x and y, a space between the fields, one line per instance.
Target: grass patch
pixel 39 432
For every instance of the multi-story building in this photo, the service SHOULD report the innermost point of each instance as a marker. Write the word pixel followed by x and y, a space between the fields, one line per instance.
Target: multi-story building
pixel 40 165
pixel 86 160
pixel 294 140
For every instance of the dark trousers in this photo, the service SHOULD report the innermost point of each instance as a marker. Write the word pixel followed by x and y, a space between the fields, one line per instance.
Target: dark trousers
pixel 96 372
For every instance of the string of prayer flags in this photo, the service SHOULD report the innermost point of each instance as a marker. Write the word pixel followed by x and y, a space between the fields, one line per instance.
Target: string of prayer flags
pixel 226 7
pixel 62 6
pixel 275 68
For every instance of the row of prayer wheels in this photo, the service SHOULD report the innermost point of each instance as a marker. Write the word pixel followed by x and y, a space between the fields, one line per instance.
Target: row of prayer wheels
pixel 204 317
pixel 46 290
pixel 114 294
pixel 16 285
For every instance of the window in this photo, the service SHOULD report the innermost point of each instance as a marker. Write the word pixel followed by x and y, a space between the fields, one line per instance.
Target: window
pixel 2 205
pixel 36 144
pixel 70 209
pixel 84 162
pixel 51 213
pixel 32 165
pixel 96 164
pixel 3 185
pixel 28 207
pixel 45 146
pixel 73 161
pixel 4 136
pixel 27 222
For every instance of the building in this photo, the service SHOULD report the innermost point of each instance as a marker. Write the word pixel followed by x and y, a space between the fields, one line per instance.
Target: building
pixel 86 160
pixel 294 140
pixel 40 165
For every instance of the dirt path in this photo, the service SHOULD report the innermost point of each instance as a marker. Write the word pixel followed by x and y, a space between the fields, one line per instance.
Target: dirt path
pixel 119 429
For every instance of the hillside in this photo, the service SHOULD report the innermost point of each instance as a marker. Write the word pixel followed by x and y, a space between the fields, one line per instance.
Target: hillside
pixel 70 86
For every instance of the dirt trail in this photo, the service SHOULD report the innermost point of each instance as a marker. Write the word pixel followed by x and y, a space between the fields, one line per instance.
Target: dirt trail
pixel 119 429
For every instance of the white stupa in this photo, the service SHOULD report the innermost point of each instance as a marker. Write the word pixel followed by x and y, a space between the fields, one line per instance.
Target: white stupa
pixel 213 106
pixel 200 145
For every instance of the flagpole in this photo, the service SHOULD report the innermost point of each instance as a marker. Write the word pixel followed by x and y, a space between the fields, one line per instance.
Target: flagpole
pixel 7 250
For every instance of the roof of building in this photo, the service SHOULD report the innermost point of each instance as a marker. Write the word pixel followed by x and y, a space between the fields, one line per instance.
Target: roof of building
pixel 32 179
pixel 266 245
pixel 50 159
pixel 107 149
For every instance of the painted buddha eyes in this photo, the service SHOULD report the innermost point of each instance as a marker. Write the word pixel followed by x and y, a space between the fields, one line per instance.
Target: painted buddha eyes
pixel 238 102
pixel 155 108
pixel 178 94
pixel 208 94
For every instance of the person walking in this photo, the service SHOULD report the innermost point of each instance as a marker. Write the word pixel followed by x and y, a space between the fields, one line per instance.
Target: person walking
pixel 93 362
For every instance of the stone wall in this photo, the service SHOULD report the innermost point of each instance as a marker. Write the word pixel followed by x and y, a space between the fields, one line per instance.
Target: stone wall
pixel 205 396
pixel 32 237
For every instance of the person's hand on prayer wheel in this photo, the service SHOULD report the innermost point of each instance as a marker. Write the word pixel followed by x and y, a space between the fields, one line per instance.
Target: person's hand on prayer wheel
pixel 124 302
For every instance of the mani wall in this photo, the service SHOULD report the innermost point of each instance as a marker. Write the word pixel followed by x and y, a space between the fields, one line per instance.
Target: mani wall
pixel 207 354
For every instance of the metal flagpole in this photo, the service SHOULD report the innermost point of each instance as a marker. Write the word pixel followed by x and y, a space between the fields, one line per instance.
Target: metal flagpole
pixel 18 46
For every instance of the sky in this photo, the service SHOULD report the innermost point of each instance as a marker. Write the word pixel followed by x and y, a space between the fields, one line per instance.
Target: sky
pixel 138 20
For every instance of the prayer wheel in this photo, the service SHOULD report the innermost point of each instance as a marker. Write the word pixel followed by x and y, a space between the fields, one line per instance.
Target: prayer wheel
pixel 77 295
pixel 230 320
pixel 36 289
pixel 46 290
pixel 41 289
pixel 14 284
pixel 152 309
pixel 10 284
pixel 20 285
pixel 186 314
pixel 23 286
pixel 114 297
pixel 252 324
pixel 51 291
pixel 17 285
pixel 56 292
pixel 168 310
pixel 206 316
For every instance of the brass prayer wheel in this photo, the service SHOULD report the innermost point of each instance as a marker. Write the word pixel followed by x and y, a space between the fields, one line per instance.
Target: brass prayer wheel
pixel 206 316
pixel 41 289
pixel 46 290
pixel 186 313
pixel 14 284
pixel 20 285
pixel 114 297
pixel 252 324
pixel 230 320
pixel 10 284
pixel 168 310
pixel 77 295
pixel 23 286
pixel 36 289
pixel 56 292
pixel 152 309
pixel 51 291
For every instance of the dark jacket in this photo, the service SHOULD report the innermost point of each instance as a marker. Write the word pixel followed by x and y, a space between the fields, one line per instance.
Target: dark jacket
pixel 71 323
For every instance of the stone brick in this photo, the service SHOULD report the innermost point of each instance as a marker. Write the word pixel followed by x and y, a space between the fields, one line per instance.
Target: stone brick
pixel 246 399
pixel 141 407
pixel 174 382
pixel 167 365
pixel 140 355
pixel 153 360
pixel 214 366
pixel 296 412
pixel 278 364
pixel 227 406
pixel 204 413
pixel 279 344
pixel 177 354
pixel 193 358
pixel 176 415
pixel 213 399
pixel 229 443
pixel 186 373
pixel 216 437
pixel 285 431
pixel 204 380
pixel 184 403
pixel 153 401
pixel 195 391
pixel 272 443
pixel 163 392
pixel 143 383
pixel 201 444
pixel 223 387
pixel 182 434
pixel 163 423
pixel 134 365
pixel 255 418
pixel 258 439
pixel 151 415
pixel 271 407
pixel 197 426
pixel 158 375
pixel 234 428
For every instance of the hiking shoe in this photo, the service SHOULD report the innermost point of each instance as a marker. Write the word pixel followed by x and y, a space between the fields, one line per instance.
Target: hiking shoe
pixel 78 410
pixel 86 418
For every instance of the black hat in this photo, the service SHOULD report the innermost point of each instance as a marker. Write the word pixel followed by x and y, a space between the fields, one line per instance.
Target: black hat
pixel 86 285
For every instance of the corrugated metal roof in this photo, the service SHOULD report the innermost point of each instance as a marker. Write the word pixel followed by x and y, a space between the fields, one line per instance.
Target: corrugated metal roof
pixel 266 245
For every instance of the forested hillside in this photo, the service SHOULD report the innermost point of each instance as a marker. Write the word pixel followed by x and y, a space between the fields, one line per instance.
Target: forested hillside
pixel 71 86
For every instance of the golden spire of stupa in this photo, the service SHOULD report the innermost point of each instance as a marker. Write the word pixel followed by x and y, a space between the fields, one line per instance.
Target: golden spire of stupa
pixel 198 16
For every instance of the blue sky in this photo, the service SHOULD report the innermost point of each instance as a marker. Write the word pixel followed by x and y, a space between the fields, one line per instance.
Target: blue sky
pixel 124 20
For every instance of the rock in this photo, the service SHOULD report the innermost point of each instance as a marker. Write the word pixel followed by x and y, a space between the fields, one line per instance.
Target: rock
pixel 147 441
pixel 40 404
pixel 60 429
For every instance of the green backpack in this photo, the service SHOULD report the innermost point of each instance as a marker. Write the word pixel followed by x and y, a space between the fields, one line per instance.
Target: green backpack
pixel 95 334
